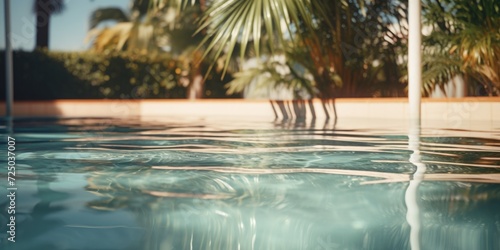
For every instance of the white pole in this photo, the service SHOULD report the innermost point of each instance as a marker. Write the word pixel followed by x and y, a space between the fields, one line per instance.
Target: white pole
pixel 414 59
pixel 9 80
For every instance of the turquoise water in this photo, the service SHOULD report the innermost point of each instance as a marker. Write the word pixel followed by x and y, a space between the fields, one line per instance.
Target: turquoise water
pixel 234 184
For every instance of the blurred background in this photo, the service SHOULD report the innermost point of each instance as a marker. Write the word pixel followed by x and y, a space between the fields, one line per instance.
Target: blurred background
pixel 158 49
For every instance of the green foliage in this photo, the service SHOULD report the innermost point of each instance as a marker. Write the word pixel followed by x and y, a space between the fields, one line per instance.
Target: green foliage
pixel 340 39
pixel 45 75
pixel 465 40
pixel 144 76
pixel 270 73
pixel 239 22
pixel 134 32
pixel 356 47
pixel 163 30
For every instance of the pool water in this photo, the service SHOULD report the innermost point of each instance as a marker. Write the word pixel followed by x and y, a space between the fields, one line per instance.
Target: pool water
pixel 95 183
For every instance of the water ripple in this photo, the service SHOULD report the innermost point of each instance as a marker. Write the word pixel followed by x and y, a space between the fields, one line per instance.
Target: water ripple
pixel 213 184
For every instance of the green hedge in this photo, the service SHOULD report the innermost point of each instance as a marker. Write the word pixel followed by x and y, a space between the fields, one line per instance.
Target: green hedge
pixel 42 75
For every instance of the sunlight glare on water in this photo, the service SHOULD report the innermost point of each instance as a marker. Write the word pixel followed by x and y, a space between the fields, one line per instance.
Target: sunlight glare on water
pixel 233 184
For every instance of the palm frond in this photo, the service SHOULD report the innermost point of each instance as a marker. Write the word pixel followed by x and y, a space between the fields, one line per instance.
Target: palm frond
pixel 273 74
pixel 123 36
pixel 141 38
pixel 107 14
pixel 112 38
pixel 469 34
pixel 438 70
pixel 235 22
pixel 244 78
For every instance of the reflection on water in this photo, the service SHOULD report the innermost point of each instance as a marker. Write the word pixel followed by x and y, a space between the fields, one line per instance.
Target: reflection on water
pixel 411 195
pixel 114 184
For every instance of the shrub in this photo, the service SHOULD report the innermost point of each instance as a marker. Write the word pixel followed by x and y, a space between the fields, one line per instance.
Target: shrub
pixel 45 75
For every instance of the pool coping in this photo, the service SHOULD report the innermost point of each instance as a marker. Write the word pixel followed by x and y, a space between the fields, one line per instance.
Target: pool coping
pixel 469 108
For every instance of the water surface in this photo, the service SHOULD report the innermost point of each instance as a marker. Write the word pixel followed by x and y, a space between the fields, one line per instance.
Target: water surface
pixel 93 183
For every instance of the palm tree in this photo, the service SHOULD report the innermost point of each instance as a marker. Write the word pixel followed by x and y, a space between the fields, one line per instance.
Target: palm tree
pixel 43 10
pixel 133 31
pixel 164 29
pixel 340 40
pixel 465 40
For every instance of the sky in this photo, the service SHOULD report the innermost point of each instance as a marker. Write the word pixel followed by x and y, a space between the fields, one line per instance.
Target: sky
pixel 67 29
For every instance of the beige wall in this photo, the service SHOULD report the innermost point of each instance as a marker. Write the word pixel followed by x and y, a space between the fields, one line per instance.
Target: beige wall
pixel 477 109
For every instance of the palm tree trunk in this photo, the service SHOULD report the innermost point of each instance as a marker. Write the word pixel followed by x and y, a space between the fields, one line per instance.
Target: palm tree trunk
pixel 42 24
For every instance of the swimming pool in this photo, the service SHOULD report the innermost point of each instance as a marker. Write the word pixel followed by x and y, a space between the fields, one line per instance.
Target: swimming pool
pixel 102 183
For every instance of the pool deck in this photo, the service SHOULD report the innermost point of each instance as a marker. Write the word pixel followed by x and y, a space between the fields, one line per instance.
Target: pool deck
pixel 485 109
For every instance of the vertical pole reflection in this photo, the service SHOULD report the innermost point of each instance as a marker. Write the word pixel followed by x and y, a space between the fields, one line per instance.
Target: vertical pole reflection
pixel 9 72
pixel 10 125
pixel 413 211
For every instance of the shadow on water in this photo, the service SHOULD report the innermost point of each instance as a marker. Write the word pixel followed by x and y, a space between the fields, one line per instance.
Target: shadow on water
pixel 297 109
pixel 305 124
